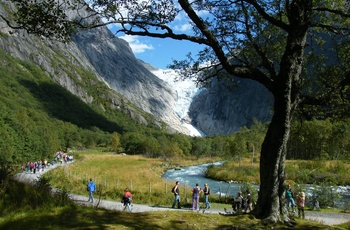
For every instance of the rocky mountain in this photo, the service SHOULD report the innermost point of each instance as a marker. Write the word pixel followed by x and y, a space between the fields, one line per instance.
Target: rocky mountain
pixel 219 111
pixel 108 58
pixel 133 87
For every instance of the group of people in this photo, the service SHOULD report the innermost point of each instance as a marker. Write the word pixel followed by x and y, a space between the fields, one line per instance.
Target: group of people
pixel 244 204
pixel 40 165
pixel 126 199
pixel 62 157
pixel 34 167
pixel 196 191
pixel 291 203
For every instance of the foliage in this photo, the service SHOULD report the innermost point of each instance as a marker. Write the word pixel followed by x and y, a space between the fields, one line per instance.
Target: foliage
pixel 235 171
pixel 299 171
pixel 321 139
pixel 17 196
pixel 325 194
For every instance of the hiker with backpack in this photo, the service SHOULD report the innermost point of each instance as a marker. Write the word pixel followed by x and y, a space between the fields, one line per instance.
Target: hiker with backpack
pixel 127 198
pixel 176 191
pixel 195 197
pixel 239 203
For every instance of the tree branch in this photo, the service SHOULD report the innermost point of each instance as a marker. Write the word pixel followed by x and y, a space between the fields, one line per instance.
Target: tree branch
pixel 266 16
pixel 239 71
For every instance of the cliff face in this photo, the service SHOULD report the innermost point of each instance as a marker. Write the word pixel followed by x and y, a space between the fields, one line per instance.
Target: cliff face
pixel 113 59
pixel 218 110
pixel 109 60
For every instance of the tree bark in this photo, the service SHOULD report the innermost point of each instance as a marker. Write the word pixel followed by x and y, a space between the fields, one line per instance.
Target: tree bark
pixel 271 202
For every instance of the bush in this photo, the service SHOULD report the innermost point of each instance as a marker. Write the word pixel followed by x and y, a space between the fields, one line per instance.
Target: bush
pixel 18 196
pixel 325 194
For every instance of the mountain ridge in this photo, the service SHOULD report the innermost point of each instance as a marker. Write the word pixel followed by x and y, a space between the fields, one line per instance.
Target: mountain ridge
pixel 110 61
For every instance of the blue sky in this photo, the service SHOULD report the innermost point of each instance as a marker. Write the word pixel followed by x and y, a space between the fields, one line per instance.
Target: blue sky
pixel 160 52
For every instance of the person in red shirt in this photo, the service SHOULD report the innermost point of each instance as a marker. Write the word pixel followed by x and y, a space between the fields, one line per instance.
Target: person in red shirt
pixel 127 199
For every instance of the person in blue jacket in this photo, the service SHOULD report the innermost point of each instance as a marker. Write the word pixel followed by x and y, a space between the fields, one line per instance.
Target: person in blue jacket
pixel 91 187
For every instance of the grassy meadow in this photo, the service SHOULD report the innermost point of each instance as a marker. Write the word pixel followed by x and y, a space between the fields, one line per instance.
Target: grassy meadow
pixel 112 173
pixel 336 172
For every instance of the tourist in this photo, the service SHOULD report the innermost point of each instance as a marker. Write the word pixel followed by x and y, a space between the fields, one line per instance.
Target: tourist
pixel 127 198
pixel 290 199
pixel 195 197
pixel 238 202
pixel 91 187
pixel 176 191
pixel 249 202
pixel 206 192
pixel 301 204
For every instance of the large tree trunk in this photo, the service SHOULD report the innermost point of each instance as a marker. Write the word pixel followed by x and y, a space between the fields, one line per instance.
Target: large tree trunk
pixel 271 203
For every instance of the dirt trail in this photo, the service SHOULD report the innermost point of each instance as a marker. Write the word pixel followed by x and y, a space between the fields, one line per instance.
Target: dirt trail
pixel 325 218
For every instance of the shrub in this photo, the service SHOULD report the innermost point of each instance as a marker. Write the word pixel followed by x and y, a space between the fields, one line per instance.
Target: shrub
pixel 325 194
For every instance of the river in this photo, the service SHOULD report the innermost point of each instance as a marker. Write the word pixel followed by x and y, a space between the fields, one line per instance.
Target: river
pixel 190 175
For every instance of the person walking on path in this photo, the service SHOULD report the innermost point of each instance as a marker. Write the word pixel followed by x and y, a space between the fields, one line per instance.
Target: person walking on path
pixel 127 198
pixel 195 197
pixel 289 197
pixel 176 191
pixel 91 187
pixel 249 202
pixel 206 192
pixel 239 202
pixel 301 204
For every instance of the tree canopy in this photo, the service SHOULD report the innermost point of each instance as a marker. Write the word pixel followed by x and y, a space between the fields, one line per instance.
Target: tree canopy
pixel 292 47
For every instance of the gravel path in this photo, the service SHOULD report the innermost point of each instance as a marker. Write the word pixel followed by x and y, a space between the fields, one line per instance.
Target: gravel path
pixel 325 218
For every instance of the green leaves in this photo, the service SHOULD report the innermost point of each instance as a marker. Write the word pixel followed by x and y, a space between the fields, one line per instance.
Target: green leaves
pixel 45 18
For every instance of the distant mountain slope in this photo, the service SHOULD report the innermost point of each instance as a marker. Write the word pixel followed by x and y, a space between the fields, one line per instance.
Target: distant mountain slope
pixel 117 80
pixel 109 60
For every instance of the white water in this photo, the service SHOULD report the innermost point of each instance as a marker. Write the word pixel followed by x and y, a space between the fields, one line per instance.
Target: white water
pixel 189 176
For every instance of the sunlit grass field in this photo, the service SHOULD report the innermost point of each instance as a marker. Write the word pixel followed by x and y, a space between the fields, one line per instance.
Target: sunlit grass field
pixel 112 173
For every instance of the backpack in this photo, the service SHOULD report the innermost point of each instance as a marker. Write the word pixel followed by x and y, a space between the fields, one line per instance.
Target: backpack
pixel 88 188
pixel 173 189
pixel 244 205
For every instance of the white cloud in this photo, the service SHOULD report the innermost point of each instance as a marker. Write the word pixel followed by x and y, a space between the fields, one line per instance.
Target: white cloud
pixel 136 45
pixel 183 27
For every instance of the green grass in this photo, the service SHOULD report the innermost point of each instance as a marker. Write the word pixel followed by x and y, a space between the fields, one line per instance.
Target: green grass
pixel 113 173
pixel 75 217
pixel 336 172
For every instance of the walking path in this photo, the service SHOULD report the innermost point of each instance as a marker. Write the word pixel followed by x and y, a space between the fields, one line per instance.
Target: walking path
pixel 325 218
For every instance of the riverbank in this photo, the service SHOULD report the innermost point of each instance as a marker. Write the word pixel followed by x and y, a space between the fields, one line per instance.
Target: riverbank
pixel 325 218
